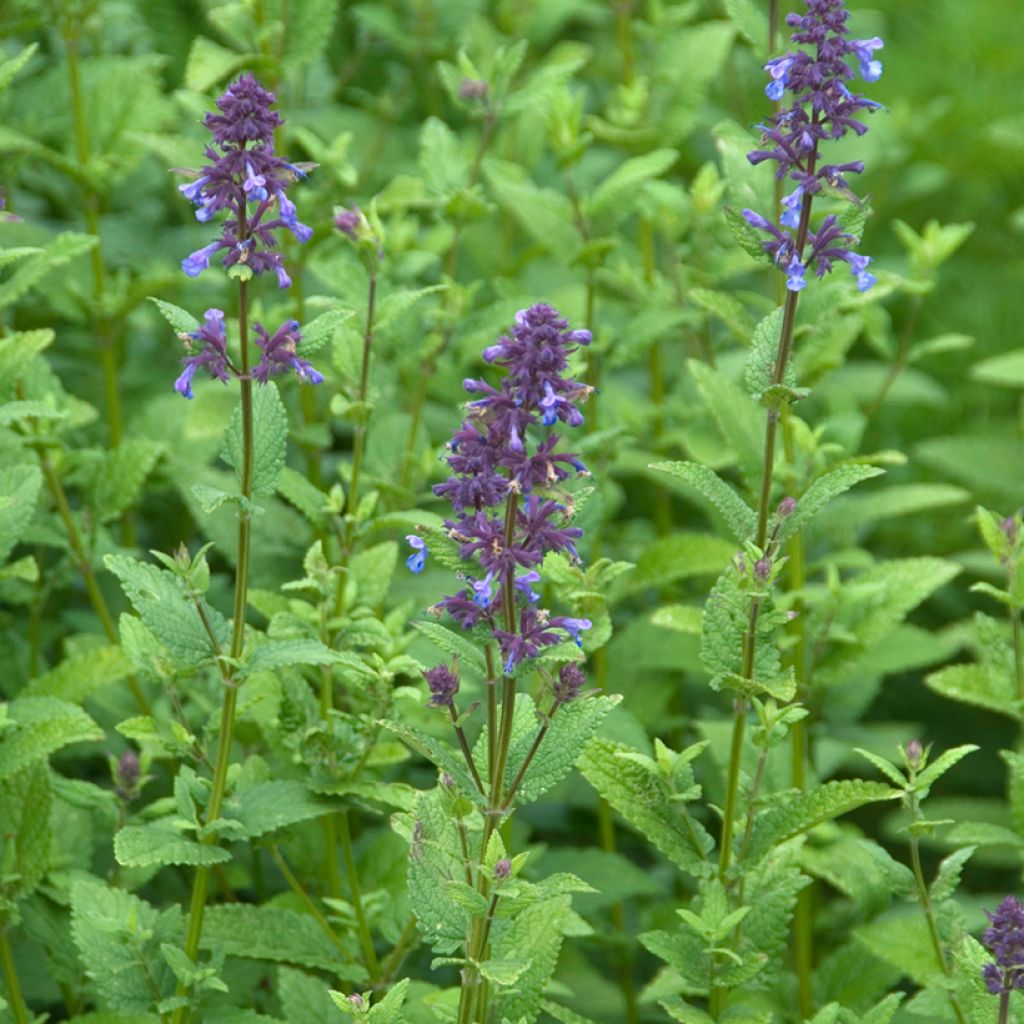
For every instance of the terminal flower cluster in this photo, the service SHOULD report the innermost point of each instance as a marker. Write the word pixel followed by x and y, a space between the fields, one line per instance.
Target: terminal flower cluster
pixel 823 108
pixel 503 487
pixel 249 181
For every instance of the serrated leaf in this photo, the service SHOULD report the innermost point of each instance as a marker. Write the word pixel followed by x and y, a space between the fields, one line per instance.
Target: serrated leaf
pixel 43 725
pixel 268 806
pixel 739 421
pixel 751 22
pixel 158 597
pixel 613 200
pixel 25 799
pixel 123 472
pixel 159 843
pixel 739 516
pixel 746 237
pixel 887 768
pixel 68 245
pixel 372 570
pixel 805 811
pixel 10 68
pixel 180 319
pixel 821 492
pixel 727 308
pixel 270 439
pixel 943 763
pixel 310 25
pixel 297 490
pixel 16 412
pixel 645 802
pixel 544 214
pixel 319 331
pixel 18 349
pixel 948 877
pixel 759 372
pixel 272 933
pixel 119 936
pixel 535 937
pixel 570 729
pixel 443 167
pixel 453 643
pixel 302 651
pixel 19 493
pixel 81 674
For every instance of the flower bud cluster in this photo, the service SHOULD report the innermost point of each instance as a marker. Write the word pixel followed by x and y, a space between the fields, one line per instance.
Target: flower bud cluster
pixel 502 487
pixel 1004 939
pixel 823 108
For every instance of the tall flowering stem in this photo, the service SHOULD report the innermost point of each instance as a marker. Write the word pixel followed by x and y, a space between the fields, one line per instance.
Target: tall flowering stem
pixel 246 179
pixel 822 108
pixel 510 509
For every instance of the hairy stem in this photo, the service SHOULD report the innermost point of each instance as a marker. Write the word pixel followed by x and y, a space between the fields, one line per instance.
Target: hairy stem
pixel 464 747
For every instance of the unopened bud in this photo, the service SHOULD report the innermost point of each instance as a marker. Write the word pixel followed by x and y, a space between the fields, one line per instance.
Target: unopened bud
pixel 347 222
pixel 503 868
pixel 472 89
pixel 356 1000
pixel 126 775
pixel 762 569
pixel 1010 528
pixel 447 781
pixel 914 753
pixel 786 507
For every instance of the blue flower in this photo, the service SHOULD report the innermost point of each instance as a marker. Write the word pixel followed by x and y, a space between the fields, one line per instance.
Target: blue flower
pixel 795 279
pixel 859 269
pixel 418 559
pixel 778 69
pixel 792 204
pixel 254 184
pixel 523 585
pixel 573 627
pixel 195 263
pixel 483 591
pixel 870 70
pixel 183 385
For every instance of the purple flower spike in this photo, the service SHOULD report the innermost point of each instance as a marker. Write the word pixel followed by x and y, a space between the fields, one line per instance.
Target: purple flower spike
pixel 1004 939
pixel 823 109
pixel 443 685
pixel 245 178
pixel 505 485
pixel 418 559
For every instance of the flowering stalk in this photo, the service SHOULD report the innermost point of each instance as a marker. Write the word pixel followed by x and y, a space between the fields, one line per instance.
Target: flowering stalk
pixel 17 1001
pixel 246 179
pixel 1004 939
pixel 504 493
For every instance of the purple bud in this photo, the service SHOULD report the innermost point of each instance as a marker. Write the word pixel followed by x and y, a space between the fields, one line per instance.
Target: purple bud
pixel 914 753
pixel 503 868
pixel 1010 529
pixel 786 507
pixel 356 1000
pixel 571 681
pixel 762 569
pixel 447 781
pixel 126 775
pixel 472 89
pixel 443 685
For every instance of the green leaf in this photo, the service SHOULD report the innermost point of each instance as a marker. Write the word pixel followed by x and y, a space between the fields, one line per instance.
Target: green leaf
pixel 887 768
pixel 18 412
pixel 751 22
pixel 646 803
pixel 81 674
pixel 439 753
pixel 442 165
pixel 272 933
pixel 19 492
pixel 10 68
pixel 737 418
pixel 805 811
pixel 268 806
pixel 302 651
pixel 122 473
pixel 18 349
pixel 160 600
pixel 678 556
pixel 119 937
pixel 534 939
pixel 564 1014
pixel 739 516
pixel 1004 370
pixel 570 729
pixel 942 764
pixel 727 308
pixel 544 214
pixel 948 877
pixel 180 319
pixel 821 492
pixel 270 439
pixel 613 200
pixel 209 63
pixel 42 725
pixel 389 1009
pixel 978 685
pixel 759 373
pixel 310 25
pixel 25 801
pixel 453 643
pixel 318 332
pixel 160 843
pixel 297 490
pixel 68 245
pixel 372 570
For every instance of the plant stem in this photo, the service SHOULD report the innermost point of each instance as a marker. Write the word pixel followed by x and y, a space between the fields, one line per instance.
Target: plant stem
pixel 1004 1007
pixel 200 885
pixel 405 940
pixel 464 746
pixel 359 440
pixel 355 894
pixel 90 207
pixel 18 1008
pixel 606 832
pixel 924 898
pixel 739 725
pixel 96 598
pixel 308 902
pixel 899 364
